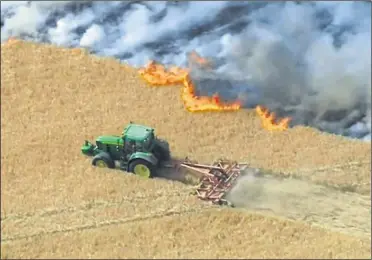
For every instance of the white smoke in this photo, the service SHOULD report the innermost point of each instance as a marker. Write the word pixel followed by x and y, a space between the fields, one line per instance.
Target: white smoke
pixel 311 60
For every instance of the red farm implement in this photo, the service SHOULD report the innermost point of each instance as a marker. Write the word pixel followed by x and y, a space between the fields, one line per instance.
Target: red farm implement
pixel 215 180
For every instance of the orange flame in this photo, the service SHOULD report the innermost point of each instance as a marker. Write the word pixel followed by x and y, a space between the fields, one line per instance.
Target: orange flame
pixel 10 41
pixel 156 75
pixel 203 62
pixel 268 120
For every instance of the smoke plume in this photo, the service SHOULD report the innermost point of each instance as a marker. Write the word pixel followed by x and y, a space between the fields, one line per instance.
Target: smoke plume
pixel 310 61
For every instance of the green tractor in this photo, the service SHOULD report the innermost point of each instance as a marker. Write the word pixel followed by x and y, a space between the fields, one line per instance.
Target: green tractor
pixel 138 150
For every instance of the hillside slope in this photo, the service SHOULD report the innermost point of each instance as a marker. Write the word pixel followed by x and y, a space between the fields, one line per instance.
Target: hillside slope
pixel 52 99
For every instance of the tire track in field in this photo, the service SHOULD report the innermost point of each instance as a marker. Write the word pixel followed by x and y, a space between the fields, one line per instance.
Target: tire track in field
pixel 95 215
pixel 85 205
pixel 119 221
pixel 100 224
pixel 286 197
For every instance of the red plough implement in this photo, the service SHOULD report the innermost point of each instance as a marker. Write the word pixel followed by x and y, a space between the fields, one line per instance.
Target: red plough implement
pixel 215 180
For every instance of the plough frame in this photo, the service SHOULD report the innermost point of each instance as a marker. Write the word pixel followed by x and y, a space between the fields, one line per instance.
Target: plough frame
pixel 215 180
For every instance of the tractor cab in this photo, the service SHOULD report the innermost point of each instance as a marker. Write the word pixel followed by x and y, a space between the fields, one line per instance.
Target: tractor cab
pixel 138 138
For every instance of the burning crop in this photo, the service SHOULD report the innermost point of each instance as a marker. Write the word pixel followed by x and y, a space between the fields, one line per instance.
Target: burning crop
pixel 10 41
pixel 268 120
pixel 157 75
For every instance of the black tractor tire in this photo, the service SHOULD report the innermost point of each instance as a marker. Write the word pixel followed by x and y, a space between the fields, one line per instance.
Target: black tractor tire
pixel 162 151
pixel 103 160
pixel 147 167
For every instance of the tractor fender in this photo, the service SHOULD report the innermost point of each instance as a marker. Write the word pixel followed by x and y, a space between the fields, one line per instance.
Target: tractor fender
pixel 144 156
pixel 103 154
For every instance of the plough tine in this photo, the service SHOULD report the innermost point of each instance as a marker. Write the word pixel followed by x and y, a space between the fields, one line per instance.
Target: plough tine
pixel 216 179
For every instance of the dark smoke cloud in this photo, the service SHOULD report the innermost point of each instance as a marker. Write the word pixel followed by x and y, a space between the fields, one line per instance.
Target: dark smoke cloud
pixel 310 60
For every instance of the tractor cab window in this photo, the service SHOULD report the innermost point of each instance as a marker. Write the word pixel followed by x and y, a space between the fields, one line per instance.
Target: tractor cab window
pixel 151 138
pixel 146 143
pixel 132 145
pixel 139 146
pixel 129 145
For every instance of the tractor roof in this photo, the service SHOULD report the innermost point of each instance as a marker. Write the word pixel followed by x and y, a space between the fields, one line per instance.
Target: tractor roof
pixel 137 132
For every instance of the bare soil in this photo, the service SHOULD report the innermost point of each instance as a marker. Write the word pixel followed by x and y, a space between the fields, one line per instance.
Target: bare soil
pixel 55 204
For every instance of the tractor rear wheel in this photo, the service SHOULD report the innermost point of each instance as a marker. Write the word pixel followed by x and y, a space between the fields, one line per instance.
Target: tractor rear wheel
pixel 103 160
pixel 142 168
pixel 162 151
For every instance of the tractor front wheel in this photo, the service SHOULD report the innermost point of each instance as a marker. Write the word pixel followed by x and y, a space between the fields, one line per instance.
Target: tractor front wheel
pixel 142 168
pixel 103 160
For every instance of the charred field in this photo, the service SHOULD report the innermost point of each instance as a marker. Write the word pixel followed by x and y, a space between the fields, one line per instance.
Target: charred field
pixel 311 200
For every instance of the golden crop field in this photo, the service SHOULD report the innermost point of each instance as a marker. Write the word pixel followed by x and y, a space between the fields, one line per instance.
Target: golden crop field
pixel 314 202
